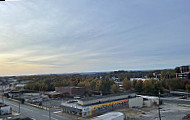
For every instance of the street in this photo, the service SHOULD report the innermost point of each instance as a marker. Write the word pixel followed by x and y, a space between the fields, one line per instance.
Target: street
pixel 34 113
pixel 171 106
pixel 175 100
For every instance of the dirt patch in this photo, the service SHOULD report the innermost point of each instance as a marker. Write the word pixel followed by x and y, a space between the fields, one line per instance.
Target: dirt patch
pixel 135 112
pixel 70 116
pixel 128 112
pixel 187 117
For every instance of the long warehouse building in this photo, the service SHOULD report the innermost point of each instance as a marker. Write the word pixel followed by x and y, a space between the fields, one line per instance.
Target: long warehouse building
pixel 93 105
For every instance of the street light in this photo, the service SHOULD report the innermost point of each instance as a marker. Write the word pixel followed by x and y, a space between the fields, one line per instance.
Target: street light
pixel 50 104
pixel 50 109
pixel 2 94
pixel 159 106
pixel 49 114
pixel 19 101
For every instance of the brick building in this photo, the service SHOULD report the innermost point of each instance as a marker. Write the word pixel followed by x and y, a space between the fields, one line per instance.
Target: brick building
pixel 184 69
pixel 184 72
pixel 71 91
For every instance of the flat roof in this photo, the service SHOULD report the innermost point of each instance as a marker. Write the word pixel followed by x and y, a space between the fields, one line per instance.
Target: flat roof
pixel 65 103
pixel 53 92
pixel 105 96
pixel 148 97
pixel 70 87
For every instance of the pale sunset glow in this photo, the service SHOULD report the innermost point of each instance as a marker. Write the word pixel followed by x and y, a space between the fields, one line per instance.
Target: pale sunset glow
pixel 65 36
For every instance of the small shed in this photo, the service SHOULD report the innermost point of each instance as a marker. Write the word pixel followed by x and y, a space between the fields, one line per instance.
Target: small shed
pixel 5 109
pixel 136 102
pixel 149 101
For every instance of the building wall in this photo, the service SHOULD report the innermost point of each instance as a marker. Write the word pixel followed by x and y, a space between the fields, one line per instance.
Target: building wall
pixel 150 102
pixel 108 106
pixel 147 103
pixel 91 109
pixel 3 87
pixel 77 91
pixel 5 110
pixel 63 89
pixel 136 102
pixel 72 91
pixel 185 69
pixel 94 109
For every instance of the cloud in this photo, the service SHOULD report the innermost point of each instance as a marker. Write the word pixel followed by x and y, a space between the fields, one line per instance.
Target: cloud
pixel 65 36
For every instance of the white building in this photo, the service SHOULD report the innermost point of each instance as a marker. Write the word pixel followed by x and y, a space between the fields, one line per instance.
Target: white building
pixel 143 79
pixel 5 109
pixel 3 85
pixel 149 101
pixel 136 102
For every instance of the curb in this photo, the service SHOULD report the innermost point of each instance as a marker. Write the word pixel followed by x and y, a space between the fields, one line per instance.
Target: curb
pixel 27 104
pixel 33 105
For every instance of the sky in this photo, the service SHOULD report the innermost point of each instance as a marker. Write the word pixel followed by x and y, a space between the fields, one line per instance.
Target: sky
pixel 66 36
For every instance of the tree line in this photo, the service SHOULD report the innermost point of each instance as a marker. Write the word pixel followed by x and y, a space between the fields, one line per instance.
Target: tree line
pixel 102 82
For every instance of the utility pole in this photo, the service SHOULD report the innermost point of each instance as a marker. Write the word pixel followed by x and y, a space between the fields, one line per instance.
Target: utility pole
pixel 19 108
pixel 187 94
pixel 159 106
pixel 2 95
pixel 50 111
pixel 46 105
pixel 19 103
pixel 50 104
pixel 49 114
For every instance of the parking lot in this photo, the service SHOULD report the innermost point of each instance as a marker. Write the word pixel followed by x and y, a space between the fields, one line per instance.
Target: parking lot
pixel 168 112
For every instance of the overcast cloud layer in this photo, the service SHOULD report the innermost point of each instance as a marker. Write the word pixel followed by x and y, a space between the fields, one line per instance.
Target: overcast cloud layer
pixel 62 36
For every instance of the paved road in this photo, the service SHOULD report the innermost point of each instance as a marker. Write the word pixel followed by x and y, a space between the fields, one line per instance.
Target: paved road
pixel 34 113
pixel 55 103
pixel 172 109
pixel 175 100
pixel 168 112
